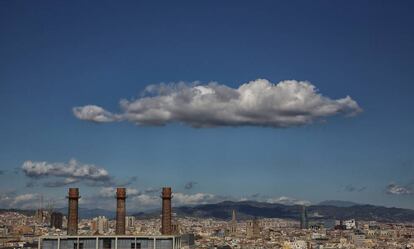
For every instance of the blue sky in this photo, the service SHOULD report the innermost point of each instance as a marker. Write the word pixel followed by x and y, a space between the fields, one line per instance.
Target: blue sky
pixel 59 55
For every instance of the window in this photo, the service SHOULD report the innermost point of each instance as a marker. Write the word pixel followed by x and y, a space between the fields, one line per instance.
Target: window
pixel 75 245
pixel 107 244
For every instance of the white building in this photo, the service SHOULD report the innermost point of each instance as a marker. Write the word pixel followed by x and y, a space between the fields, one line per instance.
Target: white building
pixel 100 224
pixel 350 224
pixel 129 221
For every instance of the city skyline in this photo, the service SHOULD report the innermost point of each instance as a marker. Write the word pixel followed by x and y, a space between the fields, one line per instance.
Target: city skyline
pixel 261 101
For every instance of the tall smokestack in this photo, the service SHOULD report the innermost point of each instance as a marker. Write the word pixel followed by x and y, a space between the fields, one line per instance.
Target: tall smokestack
pixel 166 211
pixel 73 211
pixel 120 211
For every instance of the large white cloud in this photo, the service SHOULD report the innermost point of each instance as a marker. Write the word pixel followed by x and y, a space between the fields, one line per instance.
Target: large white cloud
pixel 256 103
pixel 71 172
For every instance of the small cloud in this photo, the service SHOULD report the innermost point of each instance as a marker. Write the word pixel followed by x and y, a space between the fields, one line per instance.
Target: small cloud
pixel 190 185
pixel 394 189
pixel 94 113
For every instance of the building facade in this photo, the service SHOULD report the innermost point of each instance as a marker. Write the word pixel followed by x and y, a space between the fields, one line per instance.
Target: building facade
pixel 110 242
pixel 253 229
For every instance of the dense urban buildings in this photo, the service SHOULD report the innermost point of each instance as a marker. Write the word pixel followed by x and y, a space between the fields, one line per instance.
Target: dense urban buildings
pixel 19 230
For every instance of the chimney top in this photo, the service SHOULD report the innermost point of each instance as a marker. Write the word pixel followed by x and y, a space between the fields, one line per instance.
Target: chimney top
pixel 166 192
pixel 120 193
pixel 73 193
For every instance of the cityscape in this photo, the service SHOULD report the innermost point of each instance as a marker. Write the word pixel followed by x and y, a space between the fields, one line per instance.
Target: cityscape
pixel 50 229
pixel 184 124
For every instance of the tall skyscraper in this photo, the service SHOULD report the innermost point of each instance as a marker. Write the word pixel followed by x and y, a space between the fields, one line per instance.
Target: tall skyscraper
pixel 130 221
pixel 304 218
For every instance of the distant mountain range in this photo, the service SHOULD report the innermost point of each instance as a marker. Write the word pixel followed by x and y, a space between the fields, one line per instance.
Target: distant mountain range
pixel 337 203
pixel 25 212
pixel 249 209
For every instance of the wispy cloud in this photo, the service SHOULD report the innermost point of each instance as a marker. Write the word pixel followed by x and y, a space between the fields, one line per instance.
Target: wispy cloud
pixel 352 188
pixel 256 103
